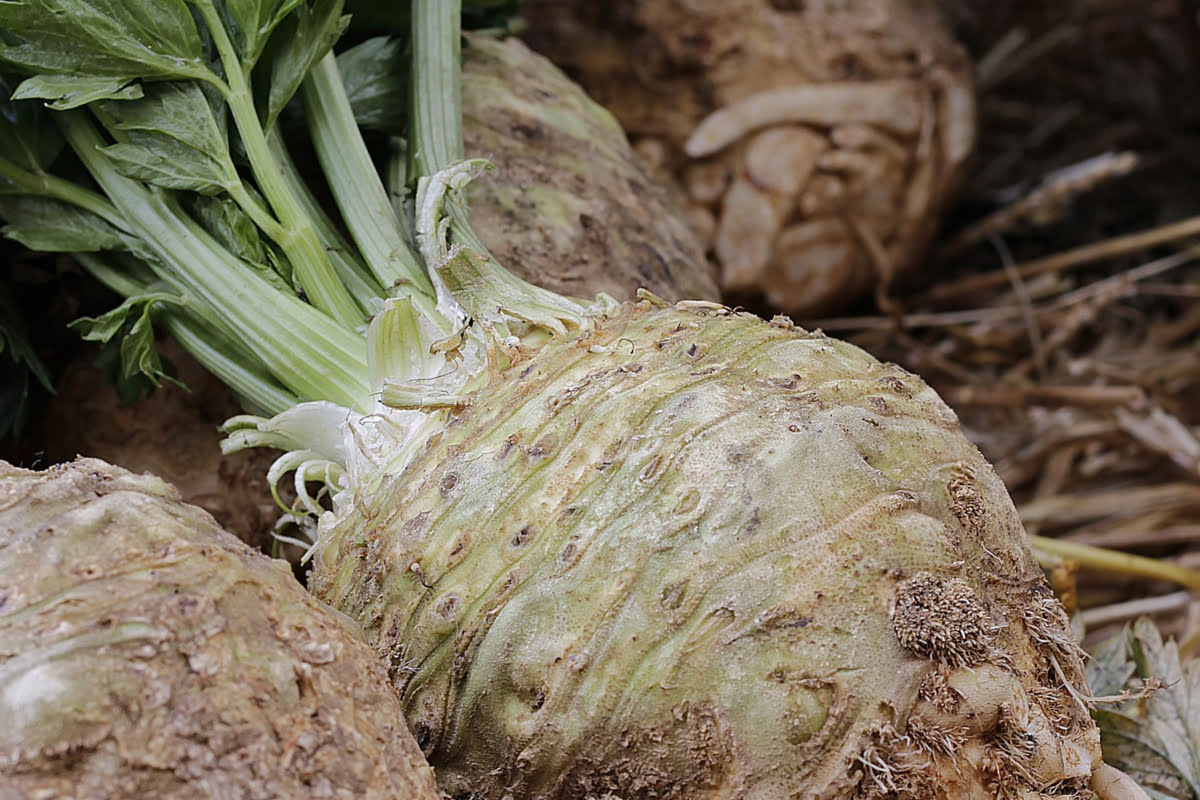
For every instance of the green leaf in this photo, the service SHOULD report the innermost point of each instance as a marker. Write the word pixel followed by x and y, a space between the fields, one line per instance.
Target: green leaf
pixel 298 42
pixel 139 357
pixel 134 366
pixel 28 136
pixel 375 74
pixel 252 23
pixel 1156 739
pixel 52 226
pixel 106 326
pixel 233 228
pixel 153 39
pixel 72 91
pixel 170 138
pixel 166 165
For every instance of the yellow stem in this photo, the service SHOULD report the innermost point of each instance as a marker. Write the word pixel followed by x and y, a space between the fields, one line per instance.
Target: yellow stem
pixel 1115 561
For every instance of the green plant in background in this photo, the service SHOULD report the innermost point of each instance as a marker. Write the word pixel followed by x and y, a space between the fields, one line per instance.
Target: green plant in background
pixel 19 366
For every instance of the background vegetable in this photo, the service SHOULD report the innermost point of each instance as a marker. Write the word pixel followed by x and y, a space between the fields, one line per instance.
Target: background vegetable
pixel 568 205
pixel 818 142
pixel 146 653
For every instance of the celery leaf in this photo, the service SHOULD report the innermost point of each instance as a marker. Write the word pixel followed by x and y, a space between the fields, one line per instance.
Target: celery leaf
pixel 1154 739
pixel 28 136
pixel 71 91
pixel 375 74
pixel 234 229
pixel 170 138
pixel 52 226
pixel 300 40
pixel 124 39
pixel 253 21
pixel 134 366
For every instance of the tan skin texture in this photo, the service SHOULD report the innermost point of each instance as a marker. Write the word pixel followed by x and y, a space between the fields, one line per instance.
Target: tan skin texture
pixel 568 207
pixel 145 653
pixel 817 141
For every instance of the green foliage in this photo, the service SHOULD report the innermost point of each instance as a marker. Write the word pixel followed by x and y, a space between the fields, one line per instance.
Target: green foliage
pixel 173 137
pixel 52 226
pixel 234 229
pixel 18 363
pixel 71 91
pixel 130 360
pixel 376 78
pixel 303 38
pixel 252 21
pixel 157 102
pixel 28 138
pixel 82 41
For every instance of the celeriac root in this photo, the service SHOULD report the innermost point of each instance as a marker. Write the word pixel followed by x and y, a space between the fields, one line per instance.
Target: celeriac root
pixel 881 90
pixel 1110 783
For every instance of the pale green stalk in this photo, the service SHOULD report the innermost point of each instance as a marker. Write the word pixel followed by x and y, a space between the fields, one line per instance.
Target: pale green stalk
pixel 299 241
pixel 321 360
pixel 46 185
pixel 356 185
pixel 437 86
pixel 351 271
pixel 233 364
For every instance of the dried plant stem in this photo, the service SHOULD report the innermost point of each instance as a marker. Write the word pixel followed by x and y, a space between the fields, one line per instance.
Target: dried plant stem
pixel 1139 535
pixel 1013 57
pixel 1114 561
pixel 1044 203
pixel 1132 609
pixel 1109 248
pixel 1099 293
pixel 1022 396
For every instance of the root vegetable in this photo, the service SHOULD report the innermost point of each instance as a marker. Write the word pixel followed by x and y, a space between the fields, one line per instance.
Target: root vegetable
pixel 562 160
pixel 690 554
pixel 880 83
pixel 146 653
